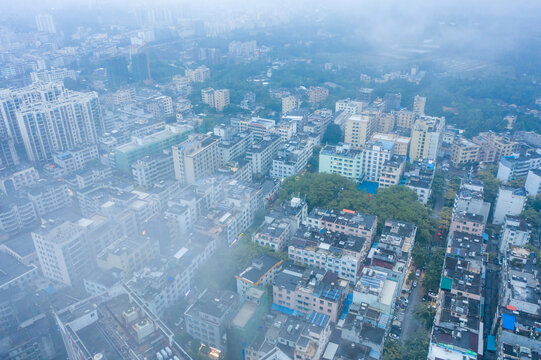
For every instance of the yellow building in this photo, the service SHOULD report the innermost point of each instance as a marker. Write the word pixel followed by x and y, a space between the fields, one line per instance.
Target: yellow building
pixel 464 151
pixel 426 138
pixel 359 129
pixel 401 143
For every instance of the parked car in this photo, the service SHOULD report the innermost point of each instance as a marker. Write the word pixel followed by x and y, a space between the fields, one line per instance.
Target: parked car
pixel 418 272
pixel 414 283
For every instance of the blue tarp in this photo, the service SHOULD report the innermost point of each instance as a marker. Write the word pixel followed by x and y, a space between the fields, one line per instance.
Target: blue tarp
pixel 508 322
pixel 347 304
pixel 491 343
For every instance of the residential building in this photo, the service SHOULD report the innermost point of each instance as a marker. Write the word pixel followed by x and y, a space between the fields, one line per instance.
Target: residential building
pixel 426 138
pixel 515 232
pixel 152 169
pixel 291 158
pixel 385 123
pixel 494 146
pixel 392 102
pixel 401 143
pixel 510 201
pixel 13 180
pixel 16 214
pixel 365 95
pixel 114 326
pixel 470 199
pixel 274 232
pixel 195 158
pixel 405 119
pixel 512 167
pixel 317 94
pixel 65 122
pixel 234 146
pixel 260 273
pixel 468 223
pixel 332 251
pixel 127 255
pixel 45 23
pixel 161 107
pixel 359 129
pixel 262 152
pixel 419 103
pixel 76 159
pixel 305 291
pixel 419 178
pixel 259 127
pixel 149 144
pixel 200 74
pixel 208 318
pixel 392 171
pixel 463 152
pixel 349 106
pixel 289 104
pixel 48 196
pixel 533 182
pixel 62 252
pixel 221 99
pixel 346 222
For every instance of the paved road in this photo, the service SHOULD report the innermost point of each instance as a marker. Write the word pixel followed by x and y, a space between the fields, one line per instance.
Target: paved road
pixel 411 324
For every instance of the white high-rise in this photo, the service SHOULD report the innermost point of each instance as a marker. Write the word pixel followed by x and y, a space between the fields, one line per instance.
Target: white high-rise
pixel 47 118
pixel 45 23
pixel 62 252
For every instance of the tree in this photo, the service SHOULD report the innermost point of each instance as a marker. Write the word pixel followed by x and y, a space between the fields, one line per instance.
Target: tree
pixel 425 314
pixel 416 347
pixel 333 135
pixel 491 185
pixel 392 350
pixel 433 270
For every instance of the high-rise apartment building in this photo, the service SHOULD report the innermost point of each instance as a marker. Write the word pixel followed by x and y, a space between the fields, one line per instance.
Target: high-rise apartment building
pixel 201 74
pixel 359 129
pixel 217 99
pixel 426 138
pixel 289 103
pixel 392 102
pixel 196 158
pixel 45 23
pixel 62 252
pixel 72 120
pixel 464 151
pixel 317 94
pixel 221 99
pixel 404 119
pixel 419 105
pixel 152 169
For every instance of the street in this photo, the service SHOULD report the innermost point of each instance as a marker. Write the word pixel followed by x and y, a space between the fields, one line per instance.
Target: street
pixel 410 323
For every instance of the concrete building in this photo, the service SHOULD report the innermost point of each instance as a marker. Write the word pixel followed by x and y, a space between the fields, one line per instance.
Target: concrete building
pixel 149 144
pixel 469 223
pixel 426 138
pixel 48 196
pixel 404 119
pixel 195 158
pixel 16 214
pixel 208 318
pixel 385 123
pixel 392 102
pixel 463 152
pixel 515 232
pixel 517 167
pixel 262 152
pixel 15 179
pixel 76 159
pixel 221 99
pixel 317 94
pixel 494 146
pixel 201 74
pixel 333 251
pixel 289 104
pixel 152 169
pixel 533 182
pixel 419 178
pixel 401 143
pixel 45 23
pixel 510 201
pixel 321 291
pixel 392 171
pixel 62 252
pixel 341 160
pixel 419 103
pixel 68 121
pixel 349 106
pixel 291 158
pixel 359 129
pixel 127 255
pixel 260 273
